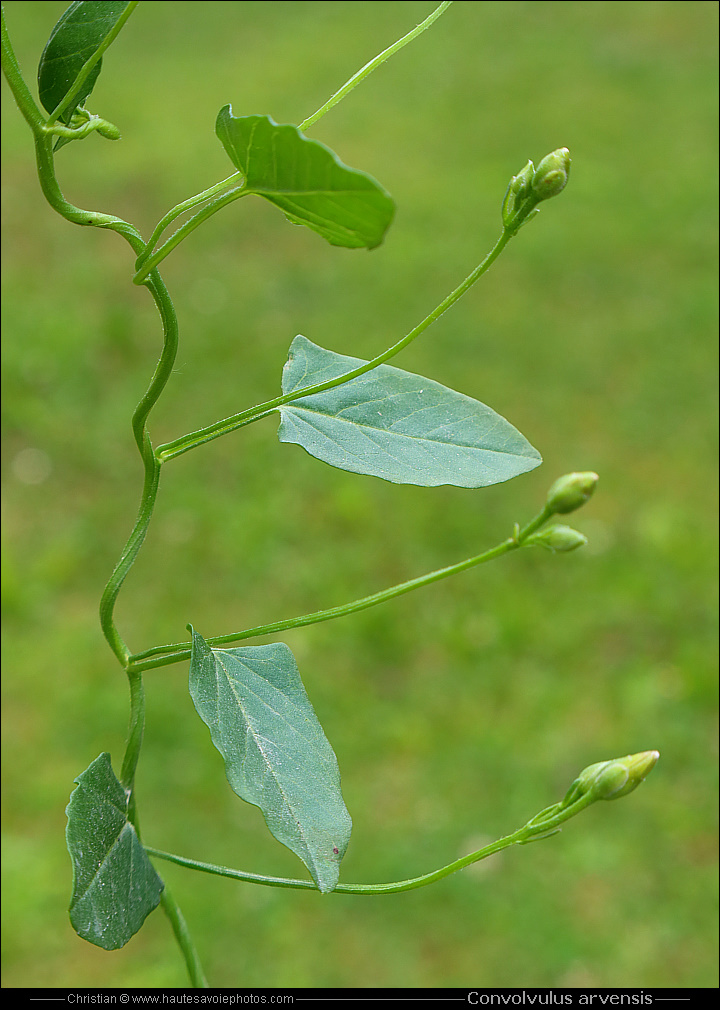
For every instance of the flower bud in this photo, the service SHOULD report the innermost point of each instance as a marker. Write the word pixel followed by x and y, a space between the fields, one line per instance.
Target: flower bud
pixel 517 192
pixel 108 130
pixel 571 491
pixel 559 539
pixel 609 780
pixel 551 175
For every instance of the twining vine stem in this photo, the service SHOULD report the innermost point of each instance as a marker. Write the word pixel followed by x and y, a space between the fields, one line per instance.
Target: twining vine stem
pixel 606 780
pixel 46 129
pixel 44 139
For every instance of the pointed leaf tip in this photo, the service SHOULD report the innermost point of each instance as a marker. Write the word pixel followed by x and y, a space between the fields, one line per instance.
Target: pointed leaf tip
pixel 396 425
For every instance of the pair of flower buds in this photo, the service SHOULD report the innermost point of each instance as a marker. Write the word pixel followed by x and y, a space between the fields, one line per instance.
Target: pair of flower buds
pixel 533 185
pixel 566 494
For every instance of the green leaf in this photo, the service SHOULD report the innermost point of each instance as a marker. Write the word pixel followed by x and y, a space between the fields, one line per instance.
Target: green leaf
pixel 396 425
pixel 276 754
pixel 306 180
pixel 114 884
pixel 75 38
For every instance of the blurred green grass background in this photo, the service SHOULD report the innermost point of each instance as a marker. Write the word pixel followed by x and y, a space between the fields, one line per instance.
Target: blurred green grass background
pixel 457 712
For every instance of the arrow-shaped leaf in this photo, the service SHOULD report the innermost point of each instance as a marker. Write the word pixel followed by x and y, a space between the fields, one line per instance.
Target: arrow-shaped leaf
pixel 79 33
pixel 276 754
pixel 396 425
pixel 115 886
pixel 306 180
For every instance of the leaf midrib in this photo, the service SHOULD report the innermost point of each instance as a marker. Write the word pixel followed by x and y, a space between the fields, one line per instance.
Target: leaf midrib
pixel 289 805
pixel 294 408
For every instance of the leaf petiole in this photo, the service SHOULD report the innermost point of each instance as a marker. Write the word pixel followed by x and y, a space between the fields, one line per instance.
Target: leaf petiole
pixel 372 65
pixel 148 263
pixel 182 208
pixel 530 832
pixel 181 445
pixel 167 655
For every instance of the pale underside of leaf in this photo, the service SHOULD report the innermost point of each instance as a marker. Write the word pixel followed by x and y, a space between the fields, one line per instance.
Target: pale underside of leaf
pixel 396 425
pixel 276 754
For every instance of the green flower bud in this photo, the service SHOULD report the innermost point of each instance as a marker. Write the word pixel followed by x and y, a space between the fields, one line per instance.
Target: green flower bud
pixel 551 175
pixel 559 539
pixel 518 191
pixel 108 130
pixel 609 780
pixel 571 491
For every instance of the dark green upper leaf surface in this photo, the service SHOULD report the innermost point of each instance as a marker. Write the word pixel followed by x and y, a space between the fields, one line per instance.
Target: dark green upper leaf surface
pixel 77 35
pixel 396 425
pixel 306 180
pixel 115 886
pixel 276 754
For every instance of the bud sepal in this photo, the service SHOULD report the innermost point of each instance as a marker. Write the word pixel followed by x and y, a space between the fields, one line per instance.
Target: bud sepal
pixel 518 191
pixel 558 539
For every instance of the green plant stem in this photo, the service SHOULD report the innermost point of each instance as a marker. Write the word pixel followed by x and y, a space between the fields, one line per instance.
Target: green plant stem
pixel 372 65
pixel 44 130
pixel 137 728
pixel 167 655
pixel 170 906
pixel 54 196
pixel 542 826
pixel 147 264
pixel 190 441
pixel 87 67
pixel 76 215
pixel 182 208
pixel 147 259
pixel 184 940
pixel 25 102
pixel 151 463
pixel 178 652
pixel 125 562
pixel 535 523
